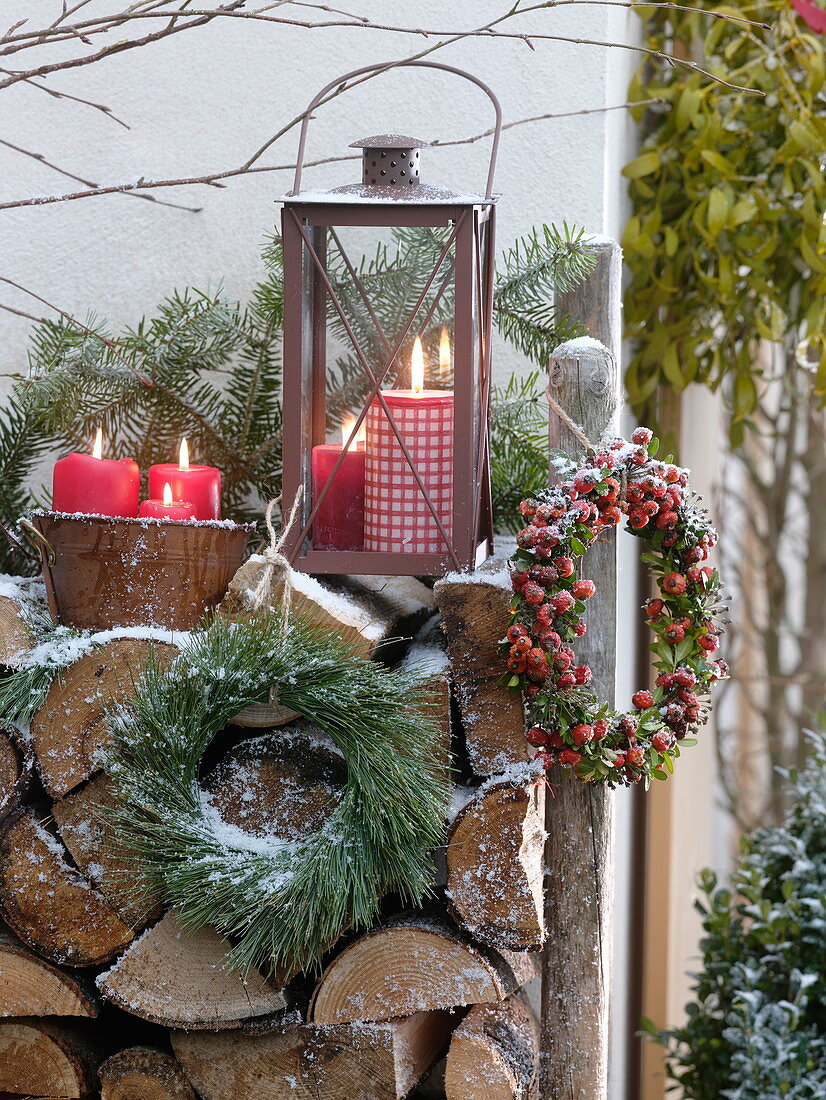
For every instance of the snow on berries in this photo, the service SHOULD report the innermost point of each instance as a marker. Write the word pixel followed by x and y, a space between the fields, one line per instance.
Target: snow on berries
pixel 569 726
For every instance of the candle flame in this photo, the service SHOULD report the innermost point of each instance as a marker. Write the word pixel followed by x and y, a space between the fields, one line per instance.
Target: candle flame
pixel 97 450
pixel 183 459
pixel 444 354
pixel 167 494
pixel 417 367
pixel 347 427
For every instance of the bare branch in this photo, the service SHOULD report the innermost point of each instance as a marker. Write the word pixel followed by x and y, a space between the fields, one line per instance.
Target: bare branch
pixel 107 111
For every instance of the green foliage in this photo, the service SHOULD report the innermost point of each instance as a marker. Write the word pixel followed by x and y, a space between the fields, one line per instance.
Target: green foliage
pixel 206 368
pixel 283 903
pixel 727 242
pixel 757 1027
pixel 519 453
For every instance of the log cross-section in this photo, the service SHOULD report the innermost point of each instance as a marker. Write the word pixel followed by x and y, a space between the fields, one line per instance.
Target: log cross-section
pixel 177 978
pixel 49 903
pixel 29 986
pixel 411 966
pixel 495 864
pixel 16 764
pixel 69 730
pixel 142 1073
pixel 41 1058
pixel 494 1054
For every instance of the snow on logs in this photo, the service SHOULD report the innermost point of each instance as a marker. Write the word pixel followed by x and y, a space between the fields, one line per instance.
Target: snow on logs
pixel 142 1073
pixel 495 863
pixel 475 616
pixel 413 966
pixel 69 729
pixel 49 904
pixel 46 1059
pixel 494 1053
pixel 177 978
pixel 360 1061
pixel 16 764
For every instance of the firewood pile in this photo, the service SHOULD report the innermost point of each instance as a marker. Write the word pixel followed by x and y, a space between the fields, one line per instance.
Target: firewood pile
pixel 100 998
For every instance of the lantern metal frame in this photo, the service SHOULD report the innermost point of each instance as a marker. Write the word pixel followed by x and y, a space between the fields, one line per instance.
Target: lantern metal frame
pixel 309 222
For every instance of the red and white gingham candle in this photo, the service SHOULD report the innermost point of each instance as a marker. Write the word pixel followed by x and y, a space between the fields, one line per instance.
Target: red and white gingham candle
pixel 397 518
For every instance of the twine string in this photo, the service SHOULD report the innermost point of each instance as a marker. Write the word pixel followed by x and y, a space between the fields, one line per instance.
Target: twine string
pixel 277 570
pixel 571 425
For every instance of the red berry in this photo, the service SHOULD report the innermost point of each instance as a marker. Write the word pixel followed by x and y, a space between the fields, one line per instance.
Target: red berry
pixel 693 555
pixel 685 677
pixel 562 602
pixel 582 734
pixel 538 736
pixel 610 516
pixel 642 700
pixel 564 566
pixel 544 512
pixel 619 760
pixel 544 614
pixel 662 741
pixel 709 642
pixel 536 658
pixel 642 436
pixel 550 640
pixel 628 726
pixel 640 457
pixel 667 521
pixel 583 590
pixel 515 632
pixel 650 507
pixel 600 729
pixel 674 633
pixel 534 593
pixel 634 493
pixel 654 608
pixel 583 674
pixel 637 519
pixel 674 714
pixel 528 507
pixel 517 664
pixel 635 756
pixel 562 662
pixel 569 756
pixel 565 680
pixel 671 474
pixel 673 584
pixel 556 740
pixel 521 648
pixel 545 759
pixel 526 538
pixel 580 628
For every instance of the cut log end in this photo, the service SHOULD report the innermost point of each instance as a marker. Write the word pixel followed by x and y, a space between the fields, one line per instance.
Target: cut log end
pixel 29 986
pixel 142 1073
pixel 48 903
pixel 15 634
pixel 494 1053
pixel 411 967
pixel 43 1059
pixel 69 730
pixel 16 764
pixel 178 978
pixel 494 857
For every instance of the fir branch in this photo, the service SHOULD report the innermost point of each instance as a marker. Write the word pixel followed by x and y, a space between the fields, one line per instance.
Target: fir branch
pixel 519 447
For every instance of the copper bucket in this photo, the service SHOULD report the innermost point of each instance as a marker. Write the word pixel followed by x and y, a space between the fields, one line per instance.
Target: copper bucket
pixel 102 572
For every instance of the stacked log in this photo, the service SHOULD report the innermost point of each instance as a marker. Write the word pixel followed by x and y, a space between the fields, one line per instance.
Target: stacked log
pixel 104 995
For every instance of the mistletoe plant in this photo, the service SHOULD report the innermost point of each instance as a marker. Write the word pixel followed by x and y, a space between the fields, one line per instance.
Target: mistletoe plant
pixel 727 242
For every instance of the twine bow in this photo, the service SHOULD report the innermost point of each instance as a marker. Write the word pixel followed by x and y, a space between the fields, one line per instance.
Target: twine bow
pixel 277 570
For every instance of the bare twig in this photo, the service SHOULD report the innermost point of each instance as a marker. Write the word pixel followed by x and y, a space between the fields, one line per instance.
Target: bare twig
pixel 107 111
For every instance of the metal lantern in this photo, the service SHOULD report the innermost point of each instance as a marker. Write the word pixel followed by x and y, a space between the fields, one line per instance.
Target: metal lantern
pixel 403 488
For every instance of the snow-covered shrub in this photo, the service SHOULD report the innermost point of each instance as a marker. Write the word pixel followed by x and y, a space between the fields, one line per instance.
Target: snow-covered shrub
pixel 756 1029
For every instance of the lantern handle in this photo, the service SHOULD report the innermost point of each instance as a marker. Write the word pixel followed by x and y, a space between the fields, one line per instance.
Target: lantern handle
pixel 341 81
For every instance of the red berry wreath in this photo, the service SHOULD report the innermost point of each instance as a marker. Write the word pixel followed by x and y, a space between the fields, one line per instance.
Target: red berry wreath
pixel 569 725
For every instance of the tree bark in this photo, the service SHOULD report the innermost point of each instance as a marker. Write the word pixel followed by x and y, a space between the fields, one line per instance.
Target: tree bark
pixel 15 635
pixel 69 730
pixel 494 1053
pixel 414 966
pixel 49 904
pixel 141 1073
pixel 475 617
pixel 579 821
pixel 495 866
pixel 178 978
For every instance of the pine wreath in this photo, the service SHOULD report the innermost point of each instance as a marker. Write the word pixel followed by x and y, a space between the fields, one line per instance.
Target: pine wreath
pixel 281 902
pixel 569 725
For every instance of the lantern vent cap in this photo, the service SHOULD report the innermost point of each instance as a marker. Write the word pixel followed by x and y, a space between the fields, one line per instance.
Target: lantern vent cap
pixel 390 141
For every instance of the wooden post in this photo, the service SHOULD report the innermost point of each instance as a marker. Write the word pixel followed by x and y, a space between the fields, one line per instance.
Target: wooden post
pixel 585 382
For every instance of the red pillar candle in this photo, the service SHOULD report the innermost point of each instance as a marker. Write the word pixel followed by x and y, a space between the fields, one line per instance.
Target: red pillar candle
pixel 397 518
pixel 95 485
pixel 166 507
pixel 339 521
pixel 199 484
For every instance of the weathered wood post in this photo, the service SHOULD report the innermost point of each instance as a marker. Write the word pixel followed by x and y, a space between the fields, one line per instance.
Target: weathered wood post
pixel 585 382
